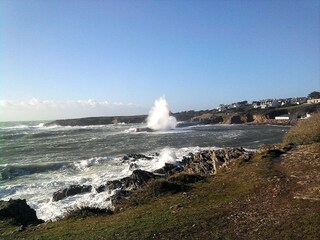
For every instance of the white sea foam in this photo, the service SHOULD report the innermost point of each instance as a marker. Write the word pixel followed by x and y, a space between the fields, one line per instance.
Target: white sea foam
pixel 38 188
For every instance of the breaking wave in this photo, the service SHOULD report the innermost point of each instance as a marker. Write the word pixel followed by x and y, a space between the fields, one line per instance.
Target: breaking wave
pixel 12 171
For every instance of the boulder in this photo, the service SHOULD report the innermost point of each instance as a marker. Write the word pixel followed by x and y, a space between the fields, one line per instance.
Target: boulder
pixel 199 163
pixel 109 186
pixel 224 156
pixel 168 169
pixel 206 162
pixel 135 157
pixel 119 195
pixel 19 211
pixel 137 179
pixel 70 191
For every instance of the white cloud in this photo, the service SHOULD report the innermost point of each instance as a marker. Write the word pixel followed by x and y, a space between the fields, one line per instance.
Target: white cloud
pixel 36 109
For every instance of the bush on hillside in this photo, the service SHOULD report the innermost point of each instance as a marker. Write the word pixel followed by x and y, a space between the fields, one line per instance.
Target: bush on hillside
pixel 305 132
pixel 185 178
pixel 83 212
pixel 162 187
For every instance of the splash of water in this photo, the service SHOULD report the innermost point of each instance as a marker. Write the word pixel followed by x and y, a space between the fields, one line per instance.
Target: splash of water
pixel 167 155
pixel 159 116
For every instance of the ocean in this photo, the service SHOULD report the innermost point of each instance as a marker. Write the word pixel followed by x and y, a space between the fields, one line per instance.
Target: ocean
pixel 36 160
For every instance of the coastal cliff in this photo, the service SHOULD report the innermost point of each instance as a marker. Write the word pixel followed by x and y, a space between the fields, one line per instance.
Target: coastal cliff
pixel 238 116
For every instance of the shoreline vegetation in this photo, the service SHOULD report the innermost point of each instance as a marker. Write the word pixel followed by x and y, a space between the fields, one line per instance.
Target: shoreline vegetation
pixel 232 116
pixel 230 193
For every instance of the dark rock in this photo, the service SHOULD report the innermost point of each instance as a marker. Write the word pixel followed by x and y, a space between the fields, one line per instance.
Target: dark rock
pixel 187 159
pixel 199 163
pixel 137 179
pixel 133 166
pixel 168 169
pixel 205 162
pixel 135 156
pixel 146 129
pixel 110 185
pixel 19 211
pixel 119 195
pixel 236 119
pixel 224 156
pixel 70 191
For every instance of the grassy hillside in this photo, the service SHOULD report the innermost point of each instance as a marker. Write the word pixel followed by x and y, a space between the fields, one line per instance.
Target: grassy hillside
pixel 274 195
pixel 305 132
pixel 263 198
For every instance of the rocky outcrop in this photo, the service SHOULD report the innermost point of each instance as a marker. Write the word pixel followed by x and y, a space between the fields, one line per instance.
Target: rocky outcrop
pixel 203 163
pixel 168 169
pixel 209 162
pixel 19 211
pixel 207 118
pixel 137 179
pixel 236 119
pixel 70 191
pixel 199 163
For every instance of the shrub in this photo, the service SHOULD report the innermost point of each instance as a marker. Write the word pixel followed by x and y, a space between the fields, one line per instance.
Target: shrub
pixel 83 212
pixel 161 187
pixel 305 132
pixel 185 178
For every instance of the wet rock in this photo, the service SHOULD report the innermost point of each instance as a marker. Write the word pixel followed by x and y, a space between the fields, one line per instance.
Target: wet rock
pixel 135 157
pixel 137 179
pixel 168 169
pixel 19 211
pixel 133 166
pixel 109 186
pixel 70 191
pixel 119 195
pixel 145 129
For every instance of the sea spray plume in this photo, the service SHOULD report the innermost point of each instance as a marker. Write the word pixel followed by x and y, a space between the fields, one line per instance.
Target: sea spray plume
pixel 167 155
pixel 159 118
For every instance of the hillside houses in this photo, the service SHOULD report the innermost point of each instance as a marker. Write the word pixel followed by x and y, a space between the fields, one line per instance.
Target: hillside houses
pixel 265 103
pixel 224 107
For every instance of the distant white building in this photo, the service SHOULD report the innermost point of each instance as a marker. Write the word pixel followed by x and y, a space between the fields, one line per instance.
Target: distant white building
pixel 298 100
pixel 313 101
pixel 286 117
pixel 256 104
pixel 306 116
pixel 221 108
pixel 283 117
pixel 269 103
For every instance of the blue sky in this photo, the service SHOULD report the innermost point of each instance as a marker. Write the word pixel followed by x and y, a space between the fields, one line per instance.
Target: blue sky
pixel 122 55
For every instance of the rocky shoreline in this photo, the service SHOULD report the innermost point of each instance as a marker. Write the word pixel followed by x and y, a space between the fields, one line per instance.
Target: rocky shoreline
pixel 272 193
pixel 198 164
pixel 203 163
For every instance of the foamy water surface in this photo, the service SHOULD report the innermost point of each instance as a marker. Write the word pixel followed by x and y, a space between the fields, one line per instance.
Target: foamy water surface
pixel 36 161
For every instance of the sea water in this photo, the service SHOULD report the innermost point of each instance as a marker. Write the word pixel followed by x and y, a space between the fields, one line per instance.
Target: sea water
pixel 36 160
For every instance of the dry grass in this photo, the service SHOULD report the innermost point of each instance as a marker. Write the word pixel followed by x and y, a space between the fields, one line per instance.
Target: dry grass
pixel 305 132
